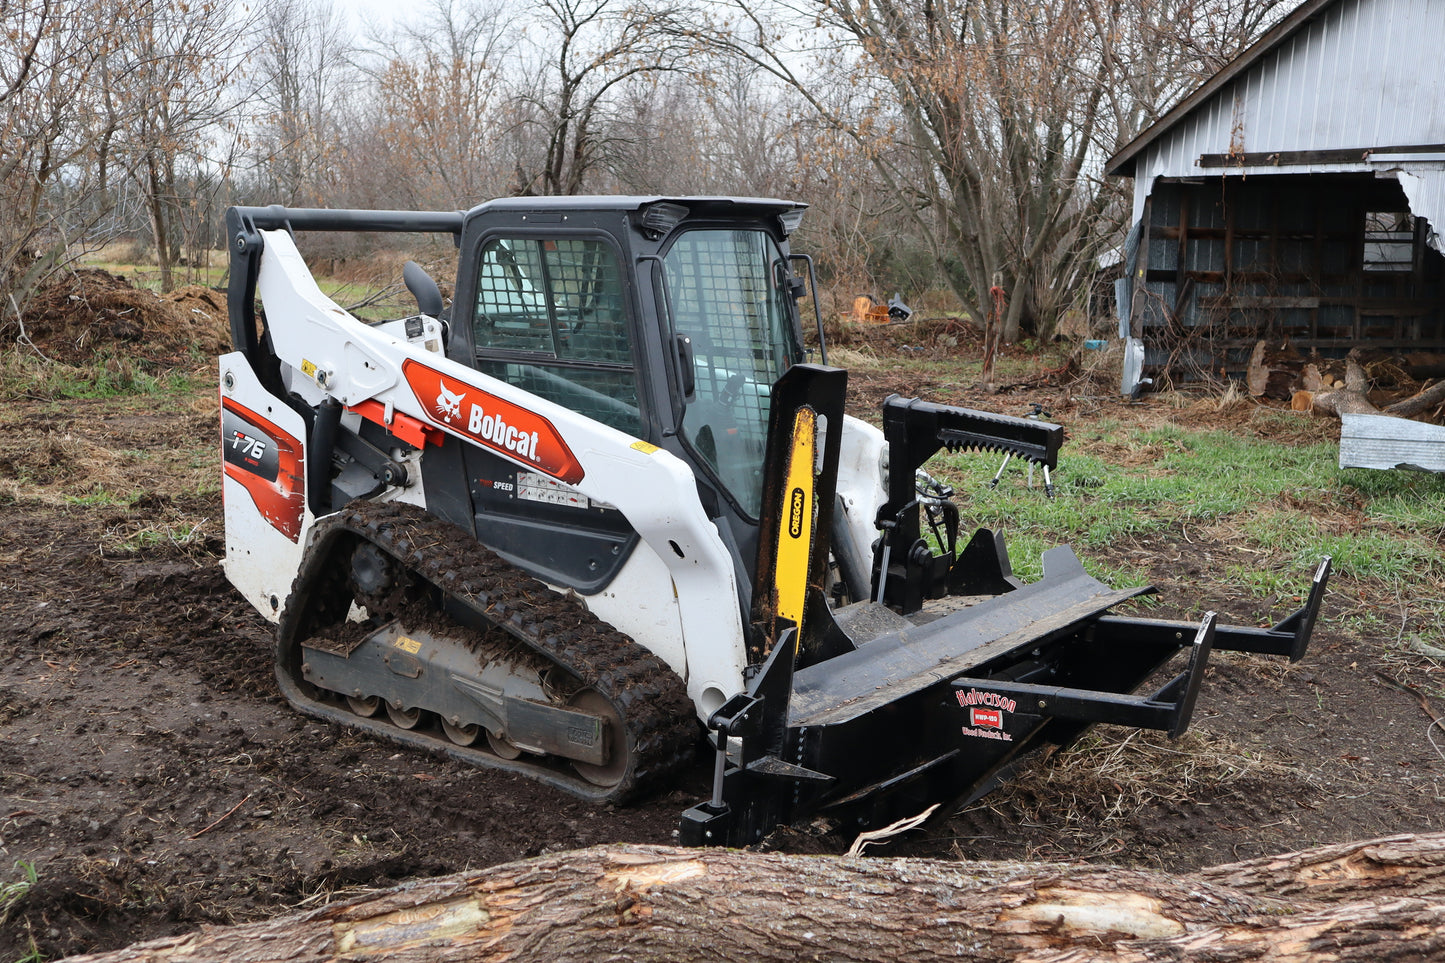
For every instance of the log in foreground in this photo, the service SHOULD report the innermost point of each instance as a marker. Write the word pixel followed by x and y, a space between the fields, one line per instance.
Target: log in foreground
pixel 1378 900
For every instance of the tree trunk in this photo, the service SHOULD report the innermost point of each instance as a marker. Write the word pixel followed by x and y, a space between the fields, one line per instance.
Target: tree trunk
pixel 160 232
pixel 1379 900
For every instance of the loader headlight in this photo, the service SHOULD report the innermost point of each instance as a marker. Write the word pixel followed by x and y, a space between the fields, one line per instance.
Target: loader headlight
pixel 790 220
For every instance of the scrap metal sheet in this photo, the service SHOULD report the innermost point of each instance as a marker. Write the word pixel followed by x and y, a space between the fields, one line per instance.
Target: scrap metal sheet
pixel 1382 441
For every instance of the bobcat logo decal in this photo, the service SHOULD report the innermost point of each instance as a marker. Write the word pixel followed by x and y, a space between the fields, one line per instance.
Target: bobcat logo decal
pixel 449 405
pixel 481 418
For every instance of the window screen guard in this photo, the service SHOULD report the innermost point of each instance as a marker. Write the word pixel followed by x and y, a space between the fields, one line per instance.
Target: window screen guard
pixel 730 297
pixel 559 302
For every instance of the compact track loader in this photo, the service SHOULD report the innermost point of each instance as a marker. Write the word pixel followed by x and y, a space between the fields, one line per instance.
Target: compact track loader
pixel 602 504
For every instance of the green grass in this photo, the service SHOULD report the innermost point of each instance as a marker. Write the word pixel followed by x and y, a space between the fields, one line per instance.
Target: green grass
pixel 13 891
pixel 1267 511
pixel 102 498
pixel 178 534
pixel 23 375
pixel 149 276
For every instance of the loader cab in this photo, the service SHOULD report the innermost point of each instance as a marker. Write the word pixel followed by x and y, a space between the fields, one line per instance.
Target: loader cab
pixel 668 319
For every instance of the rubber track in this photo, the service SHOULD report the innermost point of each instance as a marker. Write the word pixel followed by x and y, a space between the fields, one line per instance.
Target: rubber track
pixel 660 722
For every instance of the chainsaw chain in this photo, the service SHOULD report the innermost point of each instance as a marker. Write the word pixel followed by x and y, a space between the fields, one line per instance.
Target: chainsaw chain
pixel 658 716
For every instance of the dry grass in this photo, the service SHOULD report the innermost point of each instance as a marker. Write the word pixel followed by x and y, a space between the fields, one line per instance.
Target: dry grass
pixel 844 357
pixel 115 456
pixel 1112 776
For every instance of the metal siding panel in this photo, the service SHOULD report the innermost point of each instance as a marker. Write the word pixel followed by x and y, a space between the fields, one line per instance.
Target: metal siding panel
pixel 1365 74
pixel 1385 38
pixel 1244 113
pixel 1348 27
pixel 1425 193
pixel 1337 58
pixel 1412 77
pixel 1265 98
pixel 1178 150
pixel 1289 114
pixel 1319 118
pixel 1384 442
pixel 1300 111
pixel 1422 65
pixel 1374 44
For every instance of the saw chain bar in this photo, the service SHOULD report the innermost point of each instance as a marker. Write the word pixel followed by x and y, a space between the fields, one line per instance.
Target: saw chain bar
pixel 484 592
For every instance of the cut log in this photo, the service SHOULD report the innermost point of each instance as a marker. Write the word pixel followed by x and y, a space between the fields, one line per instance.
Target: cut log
pixel 1380 900
pixel 1273 373
pixel 1351 399
pixel 1418 403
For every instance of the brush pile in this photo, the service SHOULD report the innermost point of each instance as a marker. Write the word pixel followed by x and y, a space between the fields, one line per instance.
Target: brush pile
pixel 92 311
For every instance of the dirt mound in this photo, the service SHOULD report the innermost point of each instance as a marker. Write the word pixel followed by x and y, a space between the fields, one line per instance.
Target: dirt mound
pixel 91 311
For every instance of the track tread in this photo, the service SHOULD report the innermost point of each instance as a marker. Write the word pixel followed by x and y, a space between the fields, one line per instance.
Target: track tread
pixel 658 716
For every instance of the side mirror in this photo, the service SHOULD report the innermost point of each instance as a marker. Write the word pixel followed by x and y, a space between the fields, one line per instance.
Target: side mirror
pixel 423 288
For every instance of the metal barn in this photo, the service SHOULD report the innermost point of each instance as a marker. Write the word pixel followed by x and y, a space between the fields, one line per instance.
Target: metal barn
pixel 1294 197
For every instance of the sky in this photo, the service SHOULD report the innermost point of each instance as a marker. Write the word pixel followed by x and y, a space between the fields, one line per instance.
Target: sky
pixel 367 13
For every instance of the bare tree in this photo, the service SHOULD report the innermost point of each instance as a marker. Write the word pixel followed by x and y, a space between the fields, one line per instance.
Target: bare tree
pixel 989 121
pixel 52 117
pixel 172 73
pixel 660 138
pixel 302 70
pixel 586 51
pixel 706 131
pixel 434 104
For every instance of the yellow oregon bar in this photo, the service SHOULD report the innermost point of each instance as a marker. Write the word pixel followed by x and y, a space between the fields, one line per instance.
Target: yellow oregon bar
pixel 795 521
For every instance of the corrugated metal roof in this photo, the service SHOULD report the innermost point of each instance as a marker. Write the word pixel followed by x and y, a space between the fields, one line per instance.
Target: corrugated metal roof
pixel 1334 74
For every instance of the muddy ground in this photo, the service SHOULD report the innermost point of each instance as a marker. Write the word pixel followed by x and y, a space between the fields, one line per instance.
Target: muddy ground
pixel 154 778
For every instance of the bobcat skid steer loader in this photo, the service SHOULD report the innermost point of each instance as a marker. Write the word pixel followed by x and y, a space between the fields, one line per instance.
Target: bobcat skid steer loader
pixel 602 503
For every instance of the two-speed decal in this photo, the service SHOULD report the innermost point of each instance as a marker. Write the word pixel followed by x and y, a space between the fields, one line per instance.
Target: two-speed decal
pixel 500 425
pixel 268 463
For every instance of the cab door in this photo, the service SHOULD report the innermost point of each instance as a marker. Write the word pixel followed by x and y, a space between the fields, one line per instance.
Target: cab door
pixel 553 312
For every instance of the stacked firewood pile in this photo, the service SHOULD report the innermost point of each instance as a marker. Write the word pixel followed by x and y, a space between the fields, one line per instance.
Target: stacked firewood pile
pixel 1364 382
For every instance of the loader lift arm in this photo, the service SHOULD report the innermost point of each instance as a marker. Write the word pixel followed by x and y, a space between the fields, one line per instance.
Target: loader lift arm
pixel 243 234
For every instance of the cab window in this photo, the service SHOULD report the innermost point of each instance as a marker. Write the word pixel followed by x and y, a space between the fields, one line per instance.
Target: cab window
pixel 730 298
pixel 550 317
